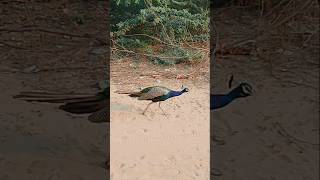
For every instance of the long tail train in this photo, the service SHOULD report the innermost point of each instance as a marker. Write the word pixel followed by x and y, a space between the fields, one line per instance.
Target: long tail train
pixel 72 103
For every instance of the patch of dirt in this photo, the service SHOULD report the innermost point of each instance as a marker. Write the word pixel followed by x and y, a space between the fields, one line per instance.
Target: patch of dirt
pixel 153 146
pixel 56 46
pixel 277 129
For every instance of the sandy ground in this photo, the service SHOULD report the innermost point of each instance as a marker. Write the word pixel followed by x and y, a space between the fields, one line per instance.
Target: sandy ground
pixel 39 141
pixel 275 131
pixel 275 135
pixel 156 146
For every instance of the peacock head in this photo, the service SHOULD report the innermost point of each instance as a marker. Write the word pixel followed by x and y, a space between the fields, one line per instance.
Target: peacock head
pixel 184 89
pixel 244 90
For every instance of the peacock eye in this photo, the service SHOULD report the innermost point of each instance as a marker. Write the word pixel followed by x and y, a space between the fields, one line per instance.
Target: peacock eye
pixel 247 89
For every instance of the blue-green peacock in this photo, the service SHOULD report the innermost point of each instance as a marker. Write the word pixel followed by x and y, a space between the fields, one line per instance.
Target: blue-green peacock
pixel 155 94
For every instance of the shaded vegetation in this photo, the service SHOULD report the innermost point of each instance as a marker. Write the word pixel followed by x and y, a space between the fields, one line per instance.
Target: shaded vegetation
pixel 140 26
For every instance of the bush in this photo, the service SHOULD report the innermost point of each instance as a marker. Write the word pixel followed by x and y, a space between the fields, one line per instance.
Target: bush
pixel 139 24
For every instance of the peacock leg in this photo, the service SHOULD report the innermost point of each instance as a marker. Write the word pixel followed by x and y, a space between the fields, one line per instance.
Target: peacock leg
pixel 144 111
pixel 162 109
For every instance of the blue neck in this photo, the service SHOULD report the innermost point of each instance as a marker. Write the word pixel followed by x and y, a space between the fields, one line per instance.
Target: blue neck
pixel 221 100
pixel 175 93
pixel 233 94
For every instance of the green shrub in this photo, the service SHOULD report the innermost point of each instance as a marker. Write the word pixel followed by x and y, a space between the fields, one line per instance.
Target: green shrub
pixel 138 25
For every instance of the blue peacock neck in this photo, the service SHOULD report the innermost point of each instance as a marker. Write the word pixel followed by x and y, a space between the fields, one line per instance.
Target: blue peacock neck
pixel 234 94
pixel 175 93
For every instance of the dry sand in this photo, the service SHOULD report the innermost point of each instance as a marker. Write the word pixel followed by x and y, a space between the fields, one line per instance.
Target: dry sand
pixel 40 142
pixel 159 147
pixel 276 130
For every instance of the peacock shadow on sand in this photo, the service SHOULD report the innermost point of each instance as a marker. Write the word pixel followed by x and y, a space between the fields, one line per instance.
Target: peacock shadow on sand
pixel 97 105
pixel 218 101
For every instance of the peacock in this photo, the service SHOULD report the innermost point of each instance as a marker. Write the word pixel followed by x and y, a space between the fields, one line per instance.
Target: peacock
pixel 95 104
pixel 221 100
pixel 155 94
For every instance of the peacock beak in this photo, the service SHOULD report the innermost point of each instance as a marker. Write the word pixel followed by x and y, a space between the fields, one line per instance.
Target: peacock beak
pixel 253 92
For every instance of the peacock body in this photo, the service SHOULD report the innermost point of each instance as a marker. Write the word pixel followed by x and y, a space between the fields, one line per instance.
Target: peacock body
pixel 155 94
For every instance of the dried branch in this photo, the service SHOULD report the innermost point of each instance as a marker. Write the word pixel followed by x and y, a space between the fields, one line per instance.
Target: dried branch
pixel 56 32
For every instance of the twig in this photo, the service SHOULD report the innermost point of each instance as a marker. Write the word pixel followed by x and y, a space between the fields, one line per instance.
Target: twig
pixel 287 81
pixel 149 55
pixel 305 42
pixel 33 49
pixel 149 4
pixel 159 40
pixel 282 11
pixel 289 137
pixel 303 7
pixel 13 1
pixel 274 8
pixel 30 29
pixel 12 46
pixel 71 68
